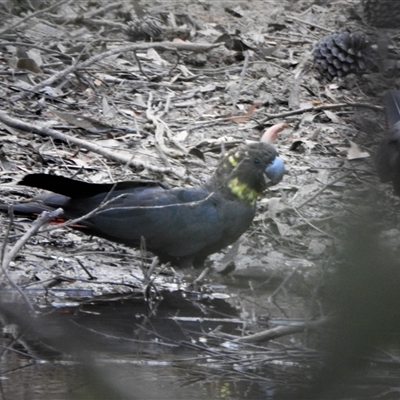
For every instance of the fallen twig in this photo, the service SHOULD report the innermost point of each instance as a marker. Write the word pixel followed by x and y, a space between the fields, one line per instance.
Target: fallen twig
pixel 111 155
pixel 320 108
pixel 280 331
pixel 302 21
pixel 160 128
pixel 9 256
pixel 319 191
pixel 242 76
pixel 183 46
pixel 36 46
pixel 35 14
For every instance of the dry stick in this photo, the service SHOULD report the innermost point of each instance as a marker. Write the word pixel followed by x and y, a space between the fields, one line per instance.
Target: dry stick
pixel 323 28
pixel 36 46
pixel 321 108
pixel 312 225
pixel 318 192
pixel 35 14
pixel 7 235
pixel 280 331
pixel 8 257
pixel 148 280
pixel 242 75
pixel 178 59
pixel 43 131
pixel 99 11
pixel 160 127
pixel 279 288
pixel 90 15
pixel 139 64
pixel 95 22
pixel 196 47
pixel 204 273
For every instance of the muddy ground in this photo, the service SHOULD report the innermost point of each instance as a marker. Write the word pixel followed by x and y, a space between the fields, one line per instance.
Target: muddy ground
pixel 166 110
pixel 174 112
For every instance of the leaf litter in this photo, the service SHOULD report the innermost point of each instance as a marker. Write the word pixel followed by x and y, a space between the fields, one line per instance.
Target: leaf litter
pixel 171 108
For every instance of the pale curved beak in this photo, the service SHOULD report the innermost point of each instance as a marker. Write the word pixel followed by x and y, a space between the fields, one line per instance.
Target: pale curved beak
pixel 274 172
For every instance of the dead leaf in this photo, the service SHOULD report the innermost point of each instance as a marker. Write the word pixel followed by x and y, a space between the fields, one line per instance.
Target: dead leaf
pixel 208 88
pixel 283 229
pixel 181 136
pixel 53 92
pixel 304 192
pixel 197 153
pixel 303 105
pixel 208 32
pixel 154 56
pixel 275 205
pixel 110 143
pixel 34 55
pixel 332 116
pixel 108 111
pixel 329 94
pixel 236 12
pixel 316 248
pixel 309 144
pixel 354 152
pixel 245 117
pixel 100 78
pixel 29 65
pixel 233 42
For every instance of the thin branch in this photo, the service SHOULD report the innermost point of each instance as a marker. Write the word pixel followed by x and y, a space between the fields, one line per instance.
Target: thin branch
pixel 140 65
pixel 36 46
pixel 318 192
pixel 196 47
pixel 111 155
pixel 321 108
pixel 43 218
pixel 301 21
pixel 312 225
pixel 279 288
pixel 280 331
pixel 35 14
pixel 242 76
pixel 178 59
pixel 8 257
pixel 102 10
pixel 7 235
pixel 160 128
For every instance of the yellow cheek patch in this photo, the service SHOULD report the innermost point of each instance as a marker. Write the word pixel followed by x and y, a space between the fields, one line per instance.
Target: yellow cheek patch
pixel 232 160
pixel 242 191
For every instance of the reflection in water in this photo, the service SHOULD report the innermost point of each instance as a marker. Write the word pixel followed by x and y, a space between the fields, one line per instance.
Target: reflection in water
pixel 178 348
pixel 124 349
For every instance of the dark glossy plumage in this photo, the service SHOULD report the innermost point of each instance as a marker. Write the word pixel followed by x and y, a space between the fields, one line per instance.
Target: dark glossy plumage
pixel 388 154
pixel 180 225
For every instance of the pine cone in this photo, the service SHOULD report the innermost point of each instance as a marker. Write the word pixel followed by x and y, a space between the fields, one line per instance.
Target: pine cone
pixel 146 28
pixel 341 54
pixel 382 13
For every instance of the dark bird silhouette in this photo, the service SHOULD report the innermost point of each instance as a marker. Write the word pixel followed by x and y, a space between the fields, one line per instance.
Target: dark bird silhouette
pixel 180 225
pixel 388 154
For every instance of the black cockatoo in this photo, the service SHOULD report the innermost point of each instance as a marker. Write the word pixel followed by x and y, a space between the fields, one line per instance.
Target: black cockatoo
pixel 179 225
